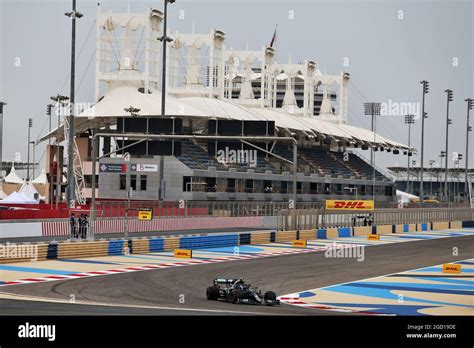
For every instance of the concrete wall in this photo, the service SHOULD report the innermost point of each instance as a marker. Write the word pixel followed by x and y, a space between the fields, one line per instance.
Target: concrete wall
pixel 20 229
pixel 109 183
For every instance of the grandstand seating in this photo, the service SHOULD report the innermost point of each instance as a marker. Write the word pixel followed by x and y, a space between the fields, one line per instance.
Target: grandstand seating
pixel 319 161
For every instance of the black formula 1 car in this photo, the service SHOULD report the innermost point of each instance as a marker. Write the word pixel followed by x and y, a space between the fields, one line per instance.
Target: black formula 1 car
pixel 235 290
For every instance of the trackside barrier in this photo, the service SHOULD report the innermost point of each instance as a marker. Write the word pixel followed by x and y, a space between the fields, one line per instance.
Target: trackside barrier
pixel 116 247
pixel 244 238
pixel 362 230
pixel 156 244
pixel 440 225
pixel 321 233
pixel 422 227
pixel 260 238
pixel 202 242
pixel 332 232
pixel 383 229
pixel 139 245
pixel 70 250
pixel 66 249
pixel 307 234
pixel 455 224
pixel 285 236
pixel 52 252
pixel 343 232
pixel 25 252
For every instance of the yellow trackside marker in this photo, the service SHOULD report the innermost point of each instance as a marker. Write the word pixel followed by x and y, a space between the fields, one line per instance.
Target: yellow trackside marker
pixel 299 243
pixel 183 253
pixel 451 268
pixel 373 237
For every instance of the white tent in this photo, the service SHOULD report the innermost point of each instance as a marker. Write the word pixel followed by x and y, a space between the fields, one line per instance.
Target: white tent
pixel 29 190
pixel 41 179
pixel 19 198
pixel 13 178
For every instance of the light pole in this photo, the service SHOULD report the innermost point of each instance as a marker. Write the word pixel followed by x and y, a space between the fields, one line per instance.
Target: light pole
pixel 1 137
pixel 449 95
pixel 409 119
pixel 423 116
pixel 372 109
pixel 71 190
pixel 60 101
pixel 48 113
pixel 457 191
pixel 164 39
pixel 432 162
pixel 441 156
pixel 30 124
pixel 470 106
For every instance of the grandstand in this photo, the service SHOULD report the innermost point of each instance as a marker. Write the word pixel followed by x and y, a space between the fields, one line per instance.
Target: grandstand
pixel 209 84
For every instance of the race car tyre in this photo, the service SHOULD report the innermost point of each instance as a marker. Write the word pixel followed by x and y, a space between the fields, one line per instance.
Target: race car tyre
pixel 235 295
pixel 269 296
pixel 212 293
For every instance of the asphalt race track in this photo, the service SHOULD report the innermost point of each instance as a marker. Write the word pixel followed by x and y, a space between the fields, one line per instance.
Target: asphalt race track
pixel 161 292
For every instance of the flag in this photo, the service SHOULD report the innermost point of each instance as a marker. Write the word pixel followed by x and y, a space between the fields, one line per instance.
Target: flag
pixel 274 37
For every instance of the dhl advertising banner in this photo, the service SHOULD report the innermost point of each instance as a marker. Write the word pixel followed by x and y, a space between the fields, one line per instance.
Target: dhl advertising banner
pixel 336 204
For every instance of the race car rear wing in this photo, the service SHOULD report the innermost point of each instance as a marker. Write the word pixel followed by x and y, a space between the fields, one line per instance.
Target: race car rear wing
pixel 226 281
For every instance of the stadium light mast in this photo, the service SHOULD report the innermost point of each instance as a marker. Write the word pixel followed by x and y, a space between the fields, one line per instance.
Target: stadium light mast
pixel 71 190
pixel 409 119
pixel 449 95
pixel 441 156
pixel 432 162
pixel 1 137
pixel 164 39
pixel 48 113
pixel 423 116
pixel 30 124
pixel 470 106
pixel 372 109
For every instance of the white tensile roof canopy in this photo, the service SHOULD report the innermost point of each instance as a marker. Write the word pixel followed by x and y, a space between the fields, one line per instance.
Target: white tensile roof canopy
pixel 122 95
pixel 13 178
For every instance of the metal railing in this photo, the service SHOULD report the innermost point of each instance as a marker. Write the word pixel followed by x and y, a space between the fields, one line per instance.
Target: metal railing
pixel 108 209
pixel 319 218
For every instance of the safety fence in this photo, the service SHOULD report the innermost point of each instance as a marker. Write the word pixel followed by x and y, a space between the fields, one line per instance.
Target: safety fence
pixel 132 225
pixel 318 218
pixel 96 248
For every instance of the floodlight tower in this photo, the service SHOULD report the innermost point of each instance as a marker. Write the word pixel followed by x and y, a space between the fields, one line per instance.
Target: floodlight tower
pixel 164 39
pixel 409 119
pixel 1 137
pixel 449 95
pixel 423 116
pixel 71 182
pixel 372 109
pixel 470 106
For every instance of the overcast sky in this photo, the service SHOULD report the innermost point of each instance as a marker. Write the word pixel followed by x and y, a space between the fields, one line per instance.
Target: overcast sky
pixel 389 46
